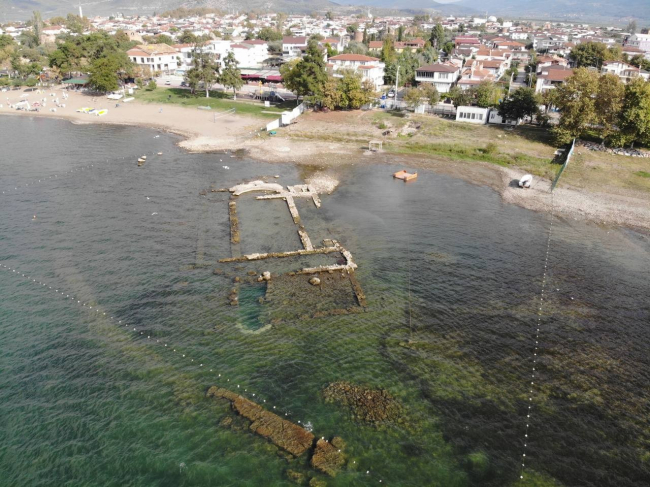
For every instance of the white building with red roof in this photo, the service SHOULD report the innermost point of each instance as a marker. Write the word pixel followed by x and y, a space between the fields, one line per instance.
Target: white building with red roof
pixel 157 57
pixel 551 76
pixel 371 68
pixel 626 72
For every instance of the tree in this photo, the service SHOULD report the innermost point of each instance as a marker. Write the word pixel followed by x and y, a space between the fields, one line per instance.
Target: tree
pixel 460 97
pixel 353 94
pixel 37 25
pixel 203 69
pixel 269 34
pixel 77 24
pixel 592 54
pixel 331 97
pixel 187 37
pixel 354 47
pixel 31 82
pixel 104 74
pixel 412 97
pixel 500 20
pixel 609 103
pixel 576 100
pixel 388 53
pixel 164 39
pixel 152 85
pixel 521 103
pixel 400 33
pixel 437 38
pixel 231 75
pixel 448 47
pixel 430 93
pixel 306 76
pixel 329 15
pixel 351 29
pixel 631 27
pixel 487 94
pixel 428 56
pixel 635 113
pixel 640 62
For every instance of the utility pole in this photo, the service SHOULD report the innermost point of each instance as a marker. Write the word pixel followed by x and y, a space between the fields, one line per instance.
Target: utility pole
pixel 396 84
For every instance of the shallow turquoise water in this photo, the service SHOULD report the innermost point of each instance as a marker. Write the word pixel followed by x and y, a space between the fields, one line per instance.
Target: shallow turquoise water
pixel 84 401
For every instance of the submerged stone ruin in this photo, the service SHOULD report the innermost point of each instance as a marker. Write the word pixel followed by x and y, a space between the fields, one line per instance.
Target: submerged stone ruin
pixel 337 290
pixel 326 456
pixel 366 405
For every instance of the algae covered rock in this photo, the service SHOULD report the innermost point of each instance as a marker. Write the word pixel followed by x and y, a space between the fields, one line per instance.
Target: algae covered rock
pixel 367 405
pixel 285 434
pixel 327 458
pixel 317 483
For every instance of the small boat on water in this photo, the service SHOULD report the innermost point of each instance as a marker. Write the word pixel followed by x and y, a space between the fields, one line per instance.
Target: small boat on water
pixel 526 181
pixel 405 176
pixel 141 161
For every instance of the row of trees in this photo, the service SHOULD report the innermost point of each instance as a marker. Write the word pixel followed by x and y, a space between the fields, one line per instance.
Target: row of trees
pixel 308 77
pixel 601 105
pixel 205 70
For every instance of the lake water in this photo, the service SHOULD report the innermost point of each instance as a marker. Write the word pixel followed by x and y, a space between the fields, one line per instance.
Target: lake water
pixel 452 276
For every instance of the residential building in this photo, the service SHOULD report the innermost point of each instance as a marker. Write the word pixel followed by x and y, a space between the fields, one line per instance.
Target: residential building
pixel 624 71
pixel 157 57
pixel 292 47
pixel 371 68
pixel 640 41
pixel 441 75
pixel 551 76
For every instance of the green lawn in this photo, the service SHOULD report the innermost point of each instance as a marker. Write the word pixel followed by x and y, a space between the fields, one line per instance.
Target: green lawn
pixel 218 101
pixel 643 174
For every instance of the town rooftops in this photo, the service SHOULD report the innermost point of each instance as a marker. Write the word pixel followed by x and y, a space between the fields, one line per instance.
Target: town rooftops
pixel 439 68
pixel 375 44
pixel 353 57
pixel 152 49
pixel 555 73
pixel 299 41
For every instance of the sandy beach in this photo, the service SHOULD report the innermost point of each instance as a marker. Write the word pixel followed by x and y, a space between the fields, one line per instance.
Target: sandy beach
pixel 204 133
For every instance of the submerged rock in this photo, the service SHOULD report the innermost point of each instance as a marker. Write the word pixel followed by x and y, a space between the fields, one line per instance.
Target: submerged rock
pixel 367 405
pixel 327 458
pixel 285 434
pixel 266 275
pixel 314 281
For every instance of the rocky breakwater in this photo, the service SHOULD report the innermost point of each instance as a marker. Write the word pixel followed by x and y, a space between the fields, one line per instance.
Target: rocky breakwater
pixel 328 456
pixel 284 434
pixel 367 405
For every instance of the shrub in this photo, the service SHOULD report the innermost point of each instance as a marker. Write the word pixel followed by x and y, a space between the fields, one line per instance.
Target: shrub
pixel 383 126
pixel 491 148
pixel 151 85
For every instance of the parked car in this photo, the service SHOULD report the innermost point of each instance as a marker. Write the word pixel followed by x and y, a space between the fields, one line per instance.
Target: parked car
pixel 391 94
pixel 184 84
pixel 167 83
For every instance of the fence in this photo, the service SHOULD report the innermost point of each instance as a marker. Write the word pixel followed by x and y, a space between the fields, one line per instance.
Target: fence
pixel 287 117
pixel 566 163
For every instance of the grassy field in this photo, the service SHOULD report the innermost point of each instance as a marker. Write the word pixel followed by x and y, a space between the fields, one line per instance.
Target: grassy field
pixel 526 147
pixel 218 100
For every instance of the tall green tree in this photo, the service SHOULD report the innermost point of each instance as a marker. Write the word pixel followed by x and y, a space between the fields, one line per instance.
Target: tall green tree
pixel 230 77
pixel 487 94
pixel 576 99
pixel 523 102
pixel 634 121
pixel 105 72
pixel 204 70
pixel 460 97
pixel 631 27
pixel 593 54
pixel 354 93
pixel 187 37
pixel 37 26
pixel 609 103
pixel 388 53
pixel 307 76
pixel 430 93
pixel 437 38
pixel 400 33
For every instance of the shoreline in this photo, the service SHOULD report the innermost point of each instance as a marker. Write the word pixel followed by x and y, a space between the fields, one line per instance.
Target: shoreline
pixel 201 133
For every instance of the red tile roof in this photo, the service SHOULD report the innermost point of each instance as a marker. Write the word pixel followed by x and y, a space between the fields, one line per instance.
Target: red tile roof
pixel 353 57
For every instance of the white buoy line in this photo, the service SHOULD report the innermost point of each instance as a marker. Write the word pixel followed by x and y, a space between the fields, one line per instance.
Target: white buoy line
pixel 531 387
pixel 139 332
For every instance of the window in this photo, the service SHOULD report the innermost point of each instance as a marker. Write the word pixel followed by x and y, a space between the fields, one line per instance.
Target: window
pixel 473 116
pixel 480 116
pixel 443 75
